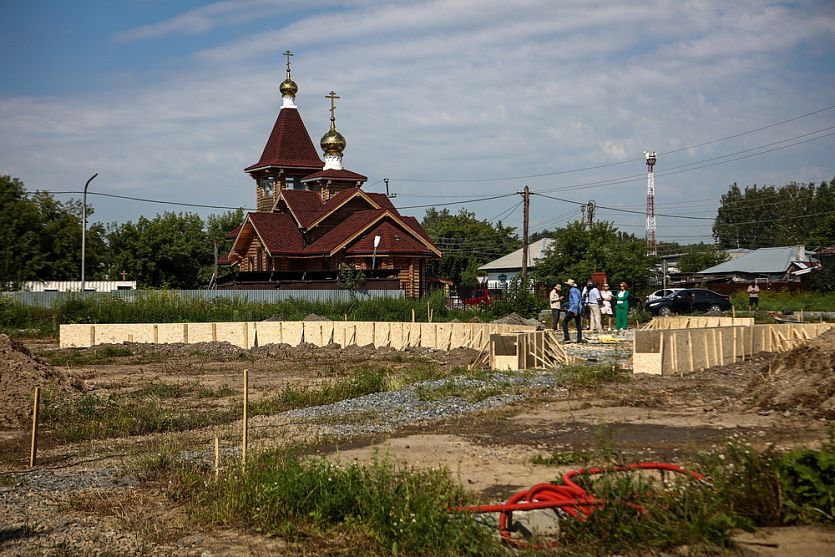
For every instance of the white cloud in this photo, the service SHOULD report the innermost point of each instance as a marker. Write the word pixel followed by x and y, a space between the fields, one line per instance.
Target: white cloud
pixel 458 90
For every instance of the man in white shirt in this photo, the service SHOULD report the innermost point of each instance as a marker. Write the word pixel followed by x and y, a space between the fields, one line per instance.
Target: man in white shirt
pixel 594 307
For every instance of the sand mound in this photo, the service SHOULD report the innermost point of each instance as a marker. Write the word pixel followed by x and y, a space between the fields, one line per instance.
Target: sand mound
pixel 802 379
pixel 20 373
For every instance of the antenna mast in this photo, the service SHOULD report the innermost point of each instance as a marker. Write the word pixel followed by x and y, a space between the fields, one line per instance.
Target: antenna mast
pixel 651 246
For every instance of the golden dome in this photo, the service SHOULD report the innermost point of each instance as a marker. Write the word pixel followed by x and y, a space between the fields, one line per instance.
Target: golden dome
pixel 332 142
pixel 288 87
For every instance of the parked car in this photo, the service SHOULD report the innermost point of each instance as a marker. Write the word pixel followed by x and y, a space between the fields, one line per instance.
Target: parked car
pixel 689 300
pixel 658 294
pixel 482 297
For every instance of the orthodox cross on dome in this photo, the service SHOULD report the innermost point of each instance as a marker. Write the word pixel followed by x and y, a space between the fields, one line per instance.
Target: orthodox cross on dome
pixel 332 98
pixel 288 54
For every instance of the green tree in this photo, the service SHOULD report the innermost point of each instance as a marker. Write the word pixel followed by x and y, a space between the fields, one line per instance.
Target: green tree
pixel 700 257
pixel 766 216
pixel 578 251
pixel 168 251
pixel 466 242
pixel 43 237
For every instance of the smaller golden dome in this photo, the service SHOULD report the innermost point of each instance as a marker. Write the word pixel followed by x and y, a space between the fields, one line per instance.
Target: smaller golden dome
pixel 332 142
pixel 288 87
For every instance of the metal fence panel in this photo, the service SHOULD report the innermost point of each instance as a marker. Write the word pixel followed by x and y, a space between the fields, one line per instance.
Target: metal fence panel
pixel 48 299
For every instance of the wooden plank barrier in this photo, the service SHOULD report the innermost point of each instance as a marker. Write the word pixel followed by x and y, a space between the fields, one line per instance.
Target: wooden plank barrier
pixel 520 350
pixel 660 351
pixel 248 334
pixel 696 322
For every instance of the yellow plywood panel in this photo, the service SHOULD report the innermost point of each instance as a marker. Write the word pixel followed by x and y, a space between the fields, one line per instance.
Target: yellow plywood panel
pixel 202 332
pixel 646 363
pixel 74 336
pixel 292 332
pixel 365 333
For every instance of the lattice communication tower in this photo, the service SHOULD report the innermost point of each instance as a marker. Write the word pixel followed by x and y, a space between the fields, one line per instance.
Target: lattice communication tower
pixel 651 247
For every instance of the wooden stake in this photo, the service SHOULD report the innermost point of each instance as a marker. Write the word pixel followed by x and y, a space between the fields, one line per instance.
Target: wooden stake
pixel 244 440
pixel 733 313
pixel 33 449
pixel 217 457
pixel 690 349
pixel 428 313
pixel 413 315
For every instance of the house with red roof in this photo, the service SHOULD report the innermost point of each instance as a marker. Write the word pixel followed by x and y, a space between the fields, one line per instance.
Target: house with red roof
pixel 314 221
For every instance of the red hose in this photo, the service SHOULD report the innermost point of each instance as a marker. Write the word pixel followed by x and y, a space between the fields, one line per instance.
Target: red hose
pixel 567 498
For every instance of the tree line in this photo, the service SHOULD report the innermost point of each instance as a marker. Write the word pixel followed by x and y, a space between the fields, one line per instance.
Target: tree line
pixel 42 241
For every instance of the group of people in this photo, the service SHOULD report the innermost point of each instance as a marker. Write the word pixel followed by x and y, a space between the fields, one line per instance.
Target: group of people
pixel 599 302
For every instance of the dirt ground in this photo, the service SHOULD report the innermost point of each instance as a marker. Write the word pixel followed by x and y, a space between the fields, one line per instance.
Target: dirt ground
pixel 784 400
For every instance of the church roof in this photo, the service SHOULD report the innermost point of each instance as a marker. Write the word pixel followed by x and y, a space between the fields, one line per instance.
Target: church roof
pixel 308 208
pixel 334 174
pixel 392 241
pixel 289 144
pixel 280 235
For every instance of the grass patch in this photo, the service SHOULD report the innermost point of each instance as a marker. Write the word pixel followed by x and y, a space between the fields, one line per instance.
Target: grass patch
pixel 363 382
pixel 563 458
pixel 456 389
pixel 152 409
pixel 107 354
pixel 378 509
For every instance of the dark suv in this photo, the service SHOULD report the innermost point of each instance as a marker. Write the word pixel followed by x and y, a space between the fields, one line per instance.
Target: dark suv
pixel 689 300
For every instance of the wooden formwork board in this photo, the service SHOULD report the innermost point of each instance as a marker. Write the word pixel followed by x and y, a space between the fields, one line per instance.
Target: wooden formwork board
pixel 696 322
pixel 674 351
pixel 399 335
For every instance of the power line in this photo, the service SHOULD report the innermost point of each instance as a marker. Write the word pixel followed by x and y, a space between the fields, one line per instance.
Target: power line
pixel 605 165
pixel 619 210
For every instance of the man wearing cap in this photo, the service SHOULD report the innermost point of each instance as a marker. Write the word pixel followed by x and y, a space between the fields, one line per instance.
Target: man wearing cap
pixel 574 311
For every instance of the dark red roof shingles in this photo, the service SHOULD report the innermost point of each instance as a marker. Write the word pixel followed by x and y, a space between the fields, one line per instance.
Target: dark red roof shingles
pixel 333 174
pixel 393 240
pixel 289 144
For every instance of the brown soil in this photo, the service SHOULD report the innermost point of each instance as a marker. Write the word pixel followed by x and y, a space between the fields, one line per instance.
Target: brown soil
pixel 20 373
pixel 801 379
pixel 782 400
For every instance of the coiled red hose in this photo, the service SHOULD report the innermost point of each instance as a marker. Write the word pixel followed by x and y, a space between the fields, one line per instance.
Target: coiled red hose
pixel 567 498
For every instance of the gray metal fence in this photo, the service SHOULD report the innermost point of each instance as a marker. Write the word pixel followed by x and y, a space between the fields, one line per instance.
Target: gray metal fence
pixel 47 299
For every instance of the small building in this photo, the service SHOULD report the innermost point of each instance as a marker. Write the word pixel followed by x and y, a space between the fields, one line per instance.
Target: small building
pixel 503 270
pixel 780 264
pixel 315 224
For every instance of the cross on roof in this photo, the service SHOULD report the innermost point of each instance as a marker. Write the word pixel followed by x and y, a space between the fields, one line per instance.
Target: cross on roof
pixel 288 54
pixel 332 97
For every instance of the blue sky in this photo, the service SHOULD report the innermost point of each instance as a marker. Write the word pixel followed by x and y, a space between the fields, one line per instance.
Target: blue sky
pixel 171 100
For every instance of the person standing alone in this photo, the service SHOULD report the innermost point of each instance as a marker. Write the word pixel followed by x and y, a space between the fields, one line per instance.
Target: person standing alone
pixel 573 312
pixel 555 298
pixel 753 297
pixel 594 301
pixel 622 308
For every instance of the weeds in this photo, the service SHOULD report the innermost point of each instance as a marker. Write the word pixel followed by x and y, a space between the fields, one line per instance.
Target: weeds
pixel 143 411
pixel 364 382
pixel 590 376
pixel 381 509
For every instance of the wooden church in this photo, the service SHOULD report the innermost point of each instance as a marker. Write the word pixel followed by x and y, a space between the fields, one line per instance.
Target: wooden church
pixel 314 221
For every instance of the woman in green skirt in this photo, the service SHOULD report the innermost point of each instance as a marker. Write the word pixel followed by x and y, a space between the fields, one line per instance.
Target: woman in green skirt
pixel 621 308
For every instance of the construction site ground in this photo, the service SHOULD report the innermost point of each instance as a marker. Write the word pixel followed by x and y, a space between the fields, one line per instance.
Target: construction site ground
pixel 81 498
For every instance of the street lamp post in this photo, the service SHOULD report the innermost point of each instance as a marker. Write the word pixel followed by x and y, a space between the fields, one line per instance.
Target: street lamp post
pixel 84 229
pixel 374 254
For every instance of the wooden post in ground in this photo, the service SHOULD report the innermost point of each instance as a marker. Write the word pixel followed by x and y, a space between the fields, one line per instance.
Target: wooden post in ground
pixel 413 315
pixel 217 457
pixel 428 313
pixel 244 439
pixel 33 449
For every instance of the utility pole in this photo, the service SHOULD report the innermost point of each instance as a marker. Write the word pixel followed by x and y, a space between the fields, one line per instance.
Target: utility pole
pixel 526 205
pixel 84 230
